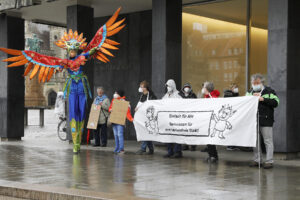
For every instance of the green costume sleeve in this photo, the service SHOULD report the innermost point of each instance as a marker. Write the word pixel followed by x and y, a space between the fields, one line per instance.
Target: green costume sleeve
pixel 92 51
pixel 271 100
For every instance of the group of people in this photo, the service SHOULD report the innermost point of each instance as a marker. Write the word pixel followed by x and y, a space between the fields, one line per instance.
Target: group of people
pixel 268 100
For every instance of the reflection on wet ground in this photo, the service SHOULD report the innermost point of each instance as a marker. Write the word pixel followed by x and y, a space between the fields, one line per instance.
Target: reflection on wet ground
pixel 145 176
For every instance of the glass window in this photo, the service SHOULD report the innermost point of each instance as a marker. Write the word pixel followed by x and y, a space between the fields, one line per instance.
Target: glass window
pixel 259 38
pixel 218 31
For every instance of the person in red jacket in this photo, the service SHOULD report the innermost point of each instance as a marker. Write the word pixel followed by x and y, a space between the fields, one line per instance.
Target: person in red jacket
pixel 209 91
pixel 117 128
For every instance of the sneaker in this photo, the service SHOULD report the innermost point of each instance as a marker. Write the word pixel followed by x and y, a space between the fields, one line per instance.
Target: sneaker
pixel 122 152
pixel 168 156
pixel 103 145
pixel 230 149
pixel 212 160
pixel 140 152
pixel 268 165
pixel 253 164
pixel 150 152
pixel 96 145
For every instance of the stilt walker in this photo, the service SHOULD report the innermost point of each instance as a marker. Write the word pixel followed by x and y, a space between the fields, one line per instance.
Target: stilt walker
pixel 76 87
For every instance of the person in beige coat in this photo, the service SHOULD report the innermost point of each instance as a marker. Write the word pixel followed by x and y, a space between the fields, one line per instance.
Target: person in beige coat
pixel 101 131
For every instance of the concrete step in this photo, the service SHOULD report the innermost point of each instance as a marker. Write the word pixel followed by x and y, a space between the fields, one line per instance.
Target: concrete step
pixel 10 190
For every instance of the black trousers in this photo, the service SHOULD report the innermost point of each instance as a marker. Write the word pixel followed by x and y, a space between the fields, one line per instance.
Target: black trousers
pixel 212 151
pixel 101 132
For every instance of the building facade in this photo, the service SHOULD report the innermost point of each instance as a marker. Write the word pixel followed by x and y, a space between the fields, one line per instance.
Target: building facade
pixel 189 41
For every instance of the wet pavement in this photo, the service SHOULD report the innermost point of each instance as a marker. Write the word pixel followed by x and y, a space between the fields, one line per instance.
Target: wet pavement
pixel 44 160
pixel 51 162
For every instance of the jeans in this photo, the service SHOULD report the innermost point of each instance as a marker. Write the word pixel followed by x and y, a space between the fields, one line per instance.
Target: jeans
pixel 101 132
pixel 212 151
pixel 174 148
pixel 145 144
pixel 119 137
pixel 267 134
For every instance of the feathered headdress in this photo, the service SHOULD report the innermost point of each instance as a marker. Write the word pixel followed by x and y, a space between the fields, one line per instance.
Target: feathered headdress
pixel 72 41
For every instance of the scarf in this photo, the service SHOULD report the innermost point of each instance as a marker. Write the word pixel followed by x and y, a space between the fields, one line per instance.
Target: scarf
pixel 99 100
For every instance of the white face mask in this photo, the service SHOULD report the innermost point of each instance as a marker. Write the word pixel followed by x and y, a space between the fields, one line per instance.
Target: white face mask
pixel 186 90
pixel 116 96
pixel 257 88
pixel 169 89
pixel 236 90
pixel 140 89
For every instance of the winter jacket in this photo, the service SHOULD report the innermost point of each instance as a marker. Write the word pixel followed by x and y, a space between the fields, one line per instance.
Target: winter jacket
pixel 213 94
pixel 129 116
pixel 266 107
pixel 175 92
pixel 191 94
pixel 104 114
pixel 145 97
pixel 229 93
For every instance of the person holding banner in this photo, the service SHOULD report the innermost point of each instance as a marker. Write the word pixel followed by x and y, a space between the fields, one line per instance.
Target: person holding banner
pixel 101 132
pixel 209 91
pixel 117 128
pixel 174 150
pixel 146 94
pixel 268 100
pixel 233 91
pixel 187 93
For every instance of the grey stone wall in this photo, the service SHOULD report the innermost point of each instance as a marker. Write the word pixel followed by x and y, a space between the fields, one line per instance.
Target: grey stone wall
pixel 284 71
pixel 132 62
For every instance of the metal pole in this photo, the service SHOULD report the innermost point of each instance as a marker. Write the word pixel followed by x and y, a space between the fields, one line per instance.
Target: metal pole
pixel 258 141
pixel 248 41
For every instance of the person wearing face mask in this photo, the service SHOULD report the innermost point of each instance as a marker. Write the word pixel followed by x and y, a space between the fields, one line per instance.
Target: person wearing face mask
pixel 146 94
pixel 174 150
pixel 117 128
pixel 233 91
pixel 101 131
pixel 208 90
pixel 187 93
pixel 268 100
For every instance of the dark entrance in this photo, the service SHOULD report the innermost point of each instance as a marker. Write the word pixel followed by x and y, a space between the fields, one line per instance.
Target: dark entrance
pixel 51 98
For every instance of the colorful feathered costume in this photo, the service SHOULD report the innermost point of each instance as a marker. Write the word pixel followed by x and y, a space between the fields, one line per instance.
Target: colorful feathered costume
pixel 76 85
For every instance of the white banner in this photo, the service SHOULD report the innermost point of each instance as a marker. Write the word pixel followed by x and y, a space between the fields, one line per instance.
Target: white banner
pixel 220 121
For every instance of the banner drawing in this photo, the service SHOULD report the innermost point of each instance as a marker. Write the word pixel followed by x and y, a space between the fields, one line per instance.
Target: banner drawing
pixel 220 121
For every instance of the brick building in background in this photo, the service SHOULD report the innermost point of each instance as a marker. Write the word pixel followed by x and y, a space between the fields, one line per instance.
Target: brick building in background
pixel 43 94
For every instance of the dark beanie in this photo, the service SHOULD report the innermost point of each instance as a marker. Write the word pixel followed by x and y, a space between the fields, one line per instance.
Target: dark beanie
pixel 121 93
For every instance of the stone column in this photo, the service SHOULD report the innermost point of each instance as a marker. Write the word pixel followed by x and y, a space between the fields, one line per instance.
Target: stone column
pixel 81 18
pixel 284 72
pixel 166 43
pixel 11 81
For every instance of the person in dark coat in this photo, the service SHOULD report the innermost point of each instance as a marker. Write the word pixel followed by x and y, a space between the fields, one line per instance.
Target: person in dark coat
pixel 268 101
pixel 209 91
pixel 146 94
pixel 187 93
pixel 233 91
